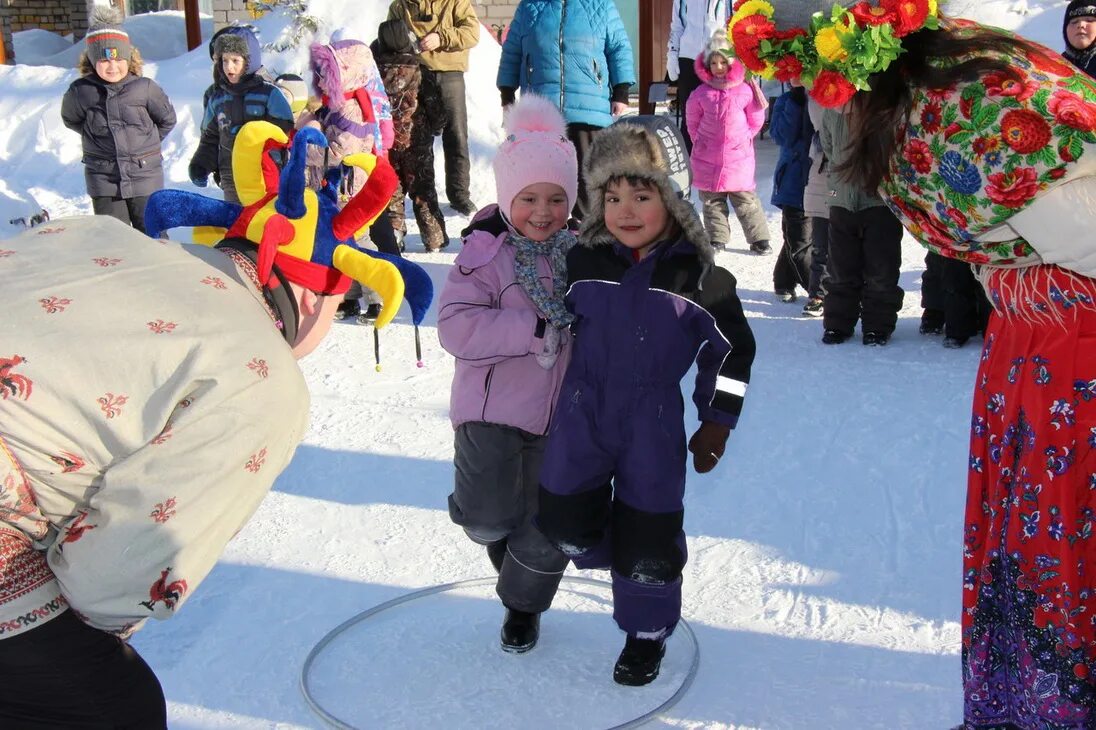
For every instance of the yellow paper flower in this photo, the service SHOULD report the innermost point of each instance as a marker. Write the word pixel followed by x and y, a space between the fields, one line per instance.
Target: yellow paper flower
pixel 751 7
pixel 828 44
pixel 934 10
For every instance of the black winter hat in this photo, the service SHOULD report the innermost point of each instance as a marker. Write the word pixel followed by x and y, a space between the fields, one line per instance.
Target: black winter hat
pixel 395 37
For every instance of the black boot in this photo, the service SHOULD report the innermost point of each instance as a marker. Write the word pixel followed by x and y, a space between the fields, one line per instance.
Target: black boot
pixel 520 631
pixel 496 553
pixel 639 662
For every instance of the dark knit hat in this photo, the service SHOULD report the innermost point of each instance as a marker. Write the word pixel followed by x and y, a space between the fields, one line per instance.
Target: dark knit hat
pixel 106 38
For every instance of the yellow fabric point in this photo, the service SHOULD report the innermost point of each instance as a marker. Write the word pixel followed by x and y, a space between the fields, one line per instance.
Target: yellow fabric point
pixel 377 274
pixel 209 235
pixel 247 159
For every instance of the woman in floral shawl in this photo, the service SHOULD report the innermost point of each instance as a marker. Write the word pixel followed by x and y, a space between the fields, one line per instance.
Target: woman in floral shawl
pixel 996 147
pixel 993 162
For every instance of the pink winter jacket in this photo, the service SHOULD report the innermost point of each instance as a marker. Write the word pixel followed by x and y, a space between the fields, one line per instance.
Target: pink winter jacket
pixel 488 323
pixel 724 115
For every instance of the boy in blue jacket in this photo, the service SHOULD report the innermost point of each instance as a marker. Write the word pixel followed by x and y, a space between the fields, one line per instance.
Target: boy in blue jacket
pixel 791 129
pixel 648 301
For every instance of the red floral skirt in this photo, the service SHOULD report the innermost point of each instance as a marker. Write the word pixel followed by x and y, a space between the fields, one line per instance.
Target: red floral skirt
pixel 1029 559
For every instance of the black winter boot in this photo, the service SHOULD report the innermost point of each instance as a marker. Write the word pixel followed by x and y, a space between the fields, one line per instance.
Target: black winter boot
pixel 520 631
pixel 639 662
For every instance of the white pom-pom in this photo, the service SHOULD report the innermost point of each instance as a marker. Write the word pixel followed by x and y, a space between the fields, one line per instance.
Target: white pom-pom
pixel 534 113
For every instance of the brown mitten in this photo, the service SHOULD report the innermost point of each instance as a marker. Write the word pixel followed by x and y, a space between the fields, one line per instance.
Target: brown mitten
pixel 707 445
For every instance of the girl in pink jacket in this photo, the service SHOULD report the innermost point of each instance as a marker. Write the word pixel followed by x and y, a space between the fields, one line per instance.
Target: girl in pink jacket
pixel 724 114
pixel 503 318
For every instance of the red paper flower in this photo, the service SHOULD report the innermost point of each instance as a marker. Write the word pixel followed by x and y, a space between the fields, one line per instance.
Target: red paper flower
pixel 788 68
pixel 1013 189
pixel 787 35
pixel 998 83
pixel 831 89
pixel 911 15
pixel 868 14
pixel 751 30
pixel 1072 111
pixel 918 154
pixel 1025 131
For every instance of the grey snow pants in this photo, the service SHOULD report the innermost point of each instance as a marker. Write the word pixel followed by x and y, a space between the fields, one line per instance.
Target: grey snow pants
pixel 495 499
pixel 747 208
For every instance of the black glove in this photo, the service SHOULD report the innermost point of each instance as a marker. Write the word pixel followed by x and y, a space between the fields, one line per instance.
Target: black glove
pixel 707 445
pixel 198 175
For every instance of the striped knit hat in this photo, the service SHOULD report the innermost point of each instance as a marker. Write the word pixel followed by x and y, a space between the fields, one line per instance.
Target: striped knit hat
pixel 107 39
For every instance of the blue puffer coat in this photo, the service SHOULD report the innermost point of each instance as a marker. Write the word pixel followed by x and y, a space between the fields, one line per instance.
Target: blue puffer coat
pixel 570 51
pixel 790 126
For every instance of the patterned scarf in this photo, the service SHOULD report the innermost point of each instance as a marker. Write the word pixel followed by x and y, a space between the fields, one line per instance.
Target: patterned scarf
pixel 525 270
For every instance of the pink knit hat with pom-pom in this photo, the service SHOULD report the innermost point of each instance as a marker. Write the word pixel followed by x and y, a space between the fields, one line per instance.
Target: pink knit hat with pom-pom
pixel 536 150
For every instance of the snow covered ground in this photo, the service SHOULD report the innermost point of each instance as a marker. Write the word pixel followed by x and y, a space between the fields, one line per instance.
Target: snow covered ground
pixel 824 575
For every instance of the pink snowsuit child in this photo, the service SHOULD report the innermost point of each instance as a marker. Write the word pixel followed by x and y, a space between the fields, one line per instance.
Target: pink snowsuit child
pixel 724 114
pixel 502 317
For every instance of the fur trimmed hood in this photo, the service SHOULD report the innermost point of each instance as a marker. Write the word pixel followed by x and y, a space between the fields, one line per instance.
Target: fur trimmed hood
pixel 631 150
pixel 339 68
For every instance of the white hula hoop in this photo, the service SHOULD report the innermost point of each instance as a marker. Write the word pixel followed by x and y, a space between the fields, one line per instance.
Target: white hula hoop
pixel 322 644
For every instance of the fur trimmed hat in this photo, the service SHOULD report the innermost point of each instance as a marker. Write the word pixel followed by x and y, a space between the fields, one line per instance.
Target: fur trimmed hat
pixel 241 40
pixel 536 150
pixel 647 148
pixel 106 38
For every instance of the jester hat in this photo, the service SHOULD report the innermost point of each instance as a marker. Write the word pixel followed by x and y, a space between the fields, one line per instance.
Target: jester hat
pixel 297 229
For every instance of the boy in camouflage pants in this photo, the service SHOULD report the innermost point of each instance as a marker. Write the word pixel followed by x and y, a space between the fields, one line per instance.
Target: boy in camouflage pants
pixel 417 117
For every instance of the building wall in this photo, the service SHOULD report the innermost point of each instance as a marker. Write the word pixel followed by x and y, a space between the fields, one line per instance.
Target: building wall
pixel 59 16
pixel 227 11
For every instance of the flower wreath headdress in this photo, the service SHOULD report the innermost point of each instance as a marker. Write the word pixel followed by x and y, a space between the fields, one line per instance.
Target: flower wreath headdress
pixel 836 54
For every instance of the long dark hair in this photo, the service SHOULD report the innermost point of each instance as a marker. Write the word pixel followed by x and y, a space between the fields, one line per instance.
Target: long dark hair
pixel 878 116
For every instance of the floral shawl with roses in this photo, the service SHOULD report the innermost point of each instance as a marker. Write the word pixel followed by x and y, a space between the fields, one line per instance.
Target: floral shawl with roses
pixel 974 155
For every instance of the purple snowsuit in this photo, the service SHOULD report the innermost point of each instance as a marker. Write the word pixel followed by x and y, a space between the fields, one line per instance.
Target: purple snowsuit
pixel 613 478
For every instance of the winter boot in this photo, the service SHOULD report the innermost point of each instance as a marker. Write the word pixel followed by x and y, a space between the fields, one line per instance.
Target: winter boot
pixel 348 309
pixel 932 322
pixel 876 339
pixel 520 631
pixel 761 248
pixel 813 307
pixel 369 316
pixel 639 662
pixel 834 337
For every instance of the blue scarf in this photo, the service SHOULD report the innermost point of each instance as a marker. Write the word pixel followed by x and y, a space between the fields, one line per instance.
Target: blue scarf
pixel 555 250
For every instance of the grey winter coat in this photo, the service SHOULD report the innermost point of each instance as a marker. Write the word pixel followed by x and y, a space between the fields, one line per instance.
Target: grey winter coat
pixel 835 145
pixel 122 126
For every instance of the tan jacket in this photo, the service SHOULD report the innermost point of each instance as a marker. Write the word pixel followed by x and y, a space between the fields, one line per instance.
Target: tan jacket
pixel 147 404
pixel 454 21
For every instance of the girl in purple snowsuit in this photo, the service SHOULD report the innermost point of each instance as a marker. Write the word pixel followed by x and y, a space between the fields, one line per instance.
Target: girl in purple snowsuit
pixel 502 316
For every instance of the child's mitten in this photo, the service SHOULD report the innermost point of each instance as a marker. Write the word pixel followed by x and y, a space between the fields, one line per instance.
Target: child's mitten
pixel 546 358
pixel 707 445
